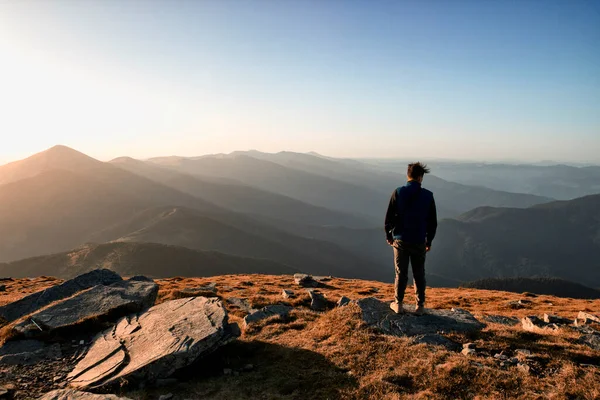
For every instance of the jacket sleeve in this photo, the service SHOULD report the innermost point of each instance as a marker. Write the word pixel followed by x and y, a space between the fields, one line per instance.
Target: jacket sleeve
pixel 431 222
pixel 390 216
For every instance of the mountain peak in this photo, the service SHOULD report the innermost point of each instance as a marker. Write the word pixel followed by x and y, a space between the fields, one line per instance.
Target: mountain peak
pixel 56 157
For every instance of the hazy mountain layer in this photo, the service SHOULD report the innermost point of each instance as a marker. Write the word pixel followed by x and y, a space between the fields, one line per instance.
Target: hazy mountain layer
pixel 151 259
pixel 559 239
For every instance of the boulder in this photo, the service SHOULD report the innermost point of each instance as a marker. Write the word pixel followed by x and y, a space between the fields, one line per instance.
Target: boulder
pixel 266 312
pixel 318 302
pixel 92 307
pixel 155 344
pixel 591 340
pixel 377 314
pixel 501 319
pixel 537 325
pixel 305 280
pixel 287 294
pixel 587 318
pixel 70 394
pixel 343 301
pixel 28 352
pixel 35 301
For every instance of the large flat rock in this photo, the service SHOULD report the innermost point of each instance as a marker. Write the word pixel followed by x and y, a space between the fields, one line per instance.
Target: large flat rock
pixel 70 394
pixel 377 314
pixel 94 306
pixel 155 344
pixel 35 301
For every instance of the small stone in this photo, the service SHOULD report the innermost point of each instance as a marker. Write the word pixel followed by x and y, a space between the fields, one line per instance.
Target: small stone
pixel 524 302
pixel 279 310
pixel 287 294
pixel 248 367
pixel 513 360
pixel 469 346
pixel 501 356
pixel 81 342
pixel 343 301
pixel 469 352
pixel 524 367
pixel 524 352
pixel 227 371
pixel 318 301
pixel 166 396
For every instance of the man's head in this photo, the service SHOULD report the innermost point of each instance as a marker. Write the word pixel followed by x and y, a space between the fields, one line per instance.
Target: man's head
pixel 416 171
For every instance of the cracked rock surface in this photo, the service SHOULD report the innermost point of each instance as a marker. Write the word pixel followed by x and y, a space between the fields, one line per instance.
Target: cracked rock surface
pixel 377 314
pixel 70 394
pixel 99 304
pixel 154 344
pixel 35 301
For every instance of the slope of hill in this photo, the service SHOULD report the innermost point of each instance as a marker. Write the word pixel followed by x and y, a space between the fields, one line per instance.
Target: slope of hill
pixel 357 187
pixel 129 259
pixel 314 189
pixel 59 209
pixel 242 198
pixel 550 286
pixel 57 157
pixel 334 355
pixel 241 236
pixel 559 239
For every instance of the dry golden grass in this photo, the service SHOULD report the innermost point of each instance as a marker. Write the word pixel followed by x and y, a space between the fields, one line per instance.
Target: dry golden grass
pixel 332 355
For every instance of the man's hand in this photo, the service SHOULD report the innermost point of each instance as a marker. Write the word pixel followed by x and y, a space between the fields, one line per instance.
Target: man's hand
pixel 390 242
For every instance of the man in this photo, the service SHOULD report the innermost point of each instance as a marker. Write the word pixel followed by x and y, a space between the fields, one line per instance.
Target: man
pixel 410 226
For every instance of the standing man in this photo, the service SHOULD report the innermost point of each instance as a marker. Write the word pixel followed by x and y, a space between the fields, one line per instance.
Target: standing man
pixel 410 225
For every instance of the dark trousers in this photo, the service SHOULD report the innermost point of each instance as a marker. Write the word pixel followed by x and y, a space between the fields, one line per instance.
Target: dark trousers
pixel 415 254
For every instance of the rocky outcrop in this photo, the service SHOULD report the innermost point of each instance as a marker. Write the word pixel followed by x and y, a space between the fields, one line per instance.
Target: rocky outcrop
pixel 278 310
pixel 287 294
pixel 501 319
pixel 591 340
pixel 70 394
pixel 537 325
pixel 305 280
pixel 35 301
pixel 587 318
pixel 28 352
pixel 94 306
pixel 554 319
pixel 377 314
pixel 155 344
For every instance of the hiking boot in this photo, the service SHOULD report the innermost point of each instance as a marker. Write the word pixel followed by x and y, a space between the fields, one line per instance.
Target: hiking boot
pixel 397 307
pixel 419 309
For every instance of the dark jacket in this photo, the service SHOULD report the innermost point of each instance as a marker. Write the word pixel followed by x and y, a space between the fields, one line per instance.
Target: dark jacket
pixel 411 215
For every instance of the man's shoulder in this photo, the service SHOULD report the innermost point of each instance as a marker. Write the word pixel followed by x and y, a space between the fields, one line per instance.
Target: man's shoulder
pixel 428 193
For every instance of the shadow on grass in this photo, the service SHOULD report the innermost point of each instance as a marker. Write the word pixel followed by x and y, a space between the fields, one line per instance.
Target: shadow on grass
pixel 266 370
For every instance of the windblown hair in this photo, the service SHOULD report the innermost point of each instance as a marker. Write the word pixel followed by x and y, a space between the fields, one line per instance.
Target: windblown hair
pixel 417 170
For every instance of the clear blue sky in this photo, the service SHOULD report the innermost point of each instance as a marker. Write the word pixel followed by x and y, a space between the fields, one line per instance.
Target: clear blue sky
pixel 486 80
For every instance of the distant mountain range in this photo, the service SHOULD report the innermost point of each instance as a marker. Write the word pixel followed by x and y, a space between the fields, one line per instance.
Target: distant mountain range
pixel 280 212
pixel 559 239
pixel 561 182
pixel 548 286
